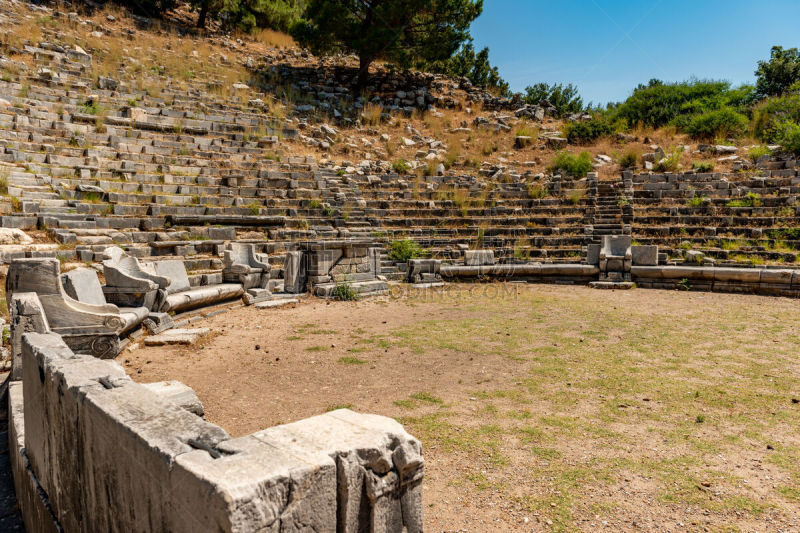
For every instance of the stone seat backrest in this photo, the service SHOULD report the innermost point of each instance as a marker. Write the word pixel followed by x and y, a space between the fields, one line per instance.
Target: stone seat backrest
pixel 66 315
pixel 175 271
pixel 82 284
pixel 616 246
pixel 123 270
pixel 239 254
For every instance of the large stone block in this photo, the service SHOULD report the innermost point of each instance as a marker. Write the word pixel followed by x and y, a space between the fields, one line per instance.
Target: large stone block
pixel 478 257
pixel 379 466
pixel 644 255
pixel 31 500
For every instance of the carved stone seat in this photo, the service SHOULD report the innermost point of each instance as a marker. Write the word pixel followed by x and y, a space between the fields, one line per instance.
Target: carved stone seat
pixel 82 284
pixel 615 258
pixel 127 283
pixel 86 327
pixel 243 265
pixel 180 295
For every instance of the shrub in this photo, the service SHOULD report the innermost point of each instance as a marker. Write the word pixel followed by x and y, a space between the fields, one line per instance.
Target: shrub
pixel 536 190
pixel 703 166
pixel 371 115
pixel 723 122
pixel 344 291
pixel 314 204
pixel 751 199
pixel 576 195
pixel 629 159
pixel 401 166
pixel 658 104
pixel 789 137
pixel 405 249
pixel 527 131
pixel 577 166
pixel 770 114
pixel 697 201
pixel 671 163
pixel 589 131
pixel 757 152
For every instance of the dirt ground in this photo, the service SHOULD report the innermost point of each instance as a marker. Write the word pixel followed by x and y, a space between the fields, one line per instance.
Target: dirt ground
pixel 540 408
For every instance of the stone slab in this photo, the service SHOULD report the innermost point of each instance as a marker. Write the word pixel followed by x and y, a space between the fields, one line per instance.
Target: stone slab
pixel 177 336
pixel 276 303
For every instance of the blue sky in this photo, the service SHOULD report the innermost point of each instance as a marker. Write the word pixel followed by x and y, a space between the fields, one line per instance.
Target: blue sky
pixel 607 47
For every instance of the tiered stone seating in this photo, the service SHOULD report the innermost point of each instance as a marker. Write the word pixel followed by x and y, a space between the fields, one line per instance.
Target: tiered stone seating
pixel 141 167
pixel 184 172
pixel 742 217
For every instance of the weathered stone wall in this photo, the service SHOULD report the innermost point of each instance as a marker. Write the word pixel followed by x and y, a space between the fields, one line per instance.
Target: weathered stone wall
pixel 768 281
pixel 111 455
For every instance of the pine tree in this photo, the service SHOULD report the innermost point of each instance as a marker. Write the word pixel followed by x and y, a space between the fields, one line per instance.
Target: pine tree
pixel 400 31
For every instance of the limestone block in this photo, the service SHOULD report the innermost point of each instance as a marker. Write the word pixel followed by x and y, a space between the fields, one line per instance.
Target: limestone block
pixel 82 284
pixel 778 276
pixel 26 316
pixel 31 500
pixel 177 336
pixel 269 304
pixel 294 272
pixel 593 254
pixel 320 262
pixel 175 271
pixel 157 322
pixel 644 255
pixel 478 257
pixel 177 392
pixel 201 296
pixel 91 433
pixel 379 465
pixel 253 486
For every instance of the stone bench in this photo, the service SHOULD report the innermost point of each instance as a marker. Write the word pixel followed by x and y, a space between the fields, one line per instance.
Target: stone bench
pixel 86 327
pixel 179 295
pixel 82 284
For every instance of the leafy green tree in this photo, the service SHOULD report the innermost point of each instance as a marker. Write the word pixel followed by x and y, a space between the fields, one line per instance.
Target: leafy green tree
pixel 564 98
pixel 400 31
pixel 776 76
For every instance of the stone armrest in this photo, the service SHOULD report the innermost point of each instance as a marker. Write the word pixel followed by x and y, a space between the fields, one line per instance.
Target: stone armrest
pixel 608 255
pixel 261 261
pixel 73 316
pixel 238 268
pixel 141 280
pixel 254 261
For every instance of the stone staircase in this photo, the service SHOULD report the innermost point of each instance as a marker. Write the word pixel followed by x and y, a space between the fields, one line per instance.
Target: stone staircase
pixel 612 213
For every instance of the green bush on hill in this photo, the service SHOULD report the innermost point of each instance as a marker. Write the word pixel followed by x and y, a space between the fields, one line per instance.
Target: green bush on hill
pixel 788 136
pixel 723 122
pixel 405 249
pixel 660 104
pixel 589 131
pixel 576 166
pixel 771 113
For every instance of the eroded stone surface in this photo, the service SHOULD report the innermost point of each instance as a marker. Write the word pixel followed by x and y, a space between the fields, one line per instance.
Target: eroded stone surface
pixel 177 336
